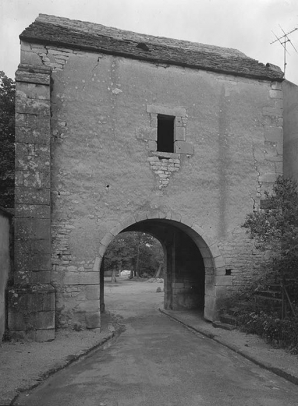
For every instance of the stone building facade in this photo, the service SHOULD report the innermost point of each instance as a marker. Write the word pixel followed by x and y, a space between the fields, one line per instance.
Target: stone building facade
pixel 118 131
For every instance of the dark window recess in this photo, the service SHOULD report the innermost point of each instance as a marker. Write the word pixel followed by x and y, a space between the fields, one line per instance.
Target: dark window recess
pixel 143 46
pixel 165 133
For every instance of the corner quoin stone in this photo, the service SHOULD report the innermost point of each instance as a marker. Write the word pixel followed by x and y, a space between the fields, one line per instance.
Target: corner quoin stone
pixel 31 310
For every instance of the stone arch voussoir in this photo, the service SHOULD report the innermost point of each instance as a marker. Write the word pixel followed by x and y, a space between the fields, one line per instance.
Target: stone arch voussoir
pixel 208 247
pixel 213 260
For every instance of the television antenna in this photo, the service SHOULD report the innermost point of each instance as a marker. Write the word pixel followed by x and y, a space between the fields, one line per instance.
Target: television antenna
pixel 283 40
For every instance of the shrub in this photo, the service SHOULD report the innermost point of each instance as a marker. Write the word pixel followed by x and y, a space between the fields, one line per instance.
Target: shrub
pixel 275 229
pixel 279 333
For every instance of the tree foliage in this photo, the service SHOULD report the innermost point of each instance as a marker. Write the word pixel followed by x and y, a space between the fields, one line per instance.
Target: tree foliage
pixel 269 305
pixel 7 139
pixel 136 251
pixel 275 227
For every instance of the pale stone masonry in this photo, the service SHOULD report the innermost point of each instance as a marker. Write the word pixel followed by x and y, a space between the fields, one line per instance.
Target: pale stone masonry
pixel 32 299
pixel 89 165
pixel 163 167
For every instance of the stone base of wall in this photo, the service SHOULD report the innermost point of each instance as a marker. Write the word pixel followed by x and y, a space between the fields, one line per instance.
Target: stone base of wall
pixel 31 312
pixel 186 299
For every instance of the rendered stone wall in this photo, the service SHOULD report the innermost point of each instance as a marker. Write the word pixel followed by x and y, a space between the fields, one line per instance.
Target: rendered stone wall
pixel 105 167
pixel 290 116
pixel 5 264
pixel 189 275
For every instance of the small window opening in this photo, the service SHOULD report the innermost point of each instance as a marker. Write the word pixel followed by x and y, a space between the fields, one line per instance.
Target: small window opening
pixel 143 46
pixel 228 272
pixel 165 133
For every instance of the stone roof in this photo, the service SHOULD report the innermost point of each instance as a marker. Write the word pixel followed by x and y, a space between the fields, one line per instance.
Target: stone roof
pixel 58 31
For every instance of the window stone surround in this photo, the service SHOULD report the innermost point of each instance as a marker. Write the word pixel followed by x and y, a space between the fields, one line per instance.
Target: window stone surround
pixel 164 164
pixel 180 144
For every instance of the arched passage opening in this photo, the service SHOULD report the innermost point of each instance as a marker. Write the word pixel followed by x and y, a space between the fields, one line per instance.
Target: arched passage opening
pixel 184 266
pixel 188 265
pixel 132 257
pixel 133 254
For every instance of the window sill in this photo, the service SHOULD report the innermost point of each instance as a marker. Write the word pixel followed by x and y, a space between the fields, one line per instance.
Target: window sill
pixel 165 155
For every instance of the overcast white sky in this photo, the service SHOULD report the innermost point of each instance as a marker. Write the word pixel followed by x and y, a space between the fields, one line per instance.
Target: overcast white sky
pixel 246 25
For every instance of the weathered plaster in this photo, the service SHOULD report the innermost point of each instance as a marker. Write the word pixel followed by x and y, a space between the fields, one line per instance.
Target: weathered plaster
pixel 100 173
pixel 290 118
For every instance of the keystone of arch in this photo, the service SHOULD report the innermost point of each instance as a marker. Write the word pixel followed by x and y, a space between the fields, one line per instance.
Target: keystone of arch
pixel 189 223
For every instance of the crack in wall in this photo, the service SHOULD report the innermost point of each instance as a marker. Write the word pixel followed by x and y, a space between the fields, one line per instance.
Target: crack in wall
pixel 97 63
pixel 47 54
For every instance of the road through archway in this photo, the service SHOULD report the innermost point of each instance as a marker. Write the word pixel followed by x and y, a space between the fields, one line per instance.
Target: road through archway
pixel 188 264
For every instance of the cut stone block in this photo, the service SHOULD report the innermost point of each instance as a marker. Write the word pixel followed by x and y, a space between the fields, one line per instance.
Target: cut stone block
pixel 182 147
pixel 92 320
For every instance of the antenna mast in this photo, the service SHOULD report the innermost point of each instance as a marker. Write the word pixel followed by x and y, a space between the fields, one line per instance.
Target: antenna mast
pixel 283 40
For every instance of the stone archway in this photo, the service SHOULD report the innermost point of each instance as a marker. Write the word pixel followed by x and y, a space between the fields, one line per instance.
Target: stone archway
pixel 179 282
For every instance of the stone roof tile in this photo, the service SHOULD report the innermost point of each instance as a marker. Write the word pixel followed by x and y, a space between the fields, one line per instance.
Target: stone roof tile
pixel 75 34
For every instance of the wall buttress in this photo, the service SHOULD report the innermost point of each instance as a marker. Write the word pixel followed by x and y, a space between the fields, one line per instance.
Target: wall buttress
pixel 32 298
